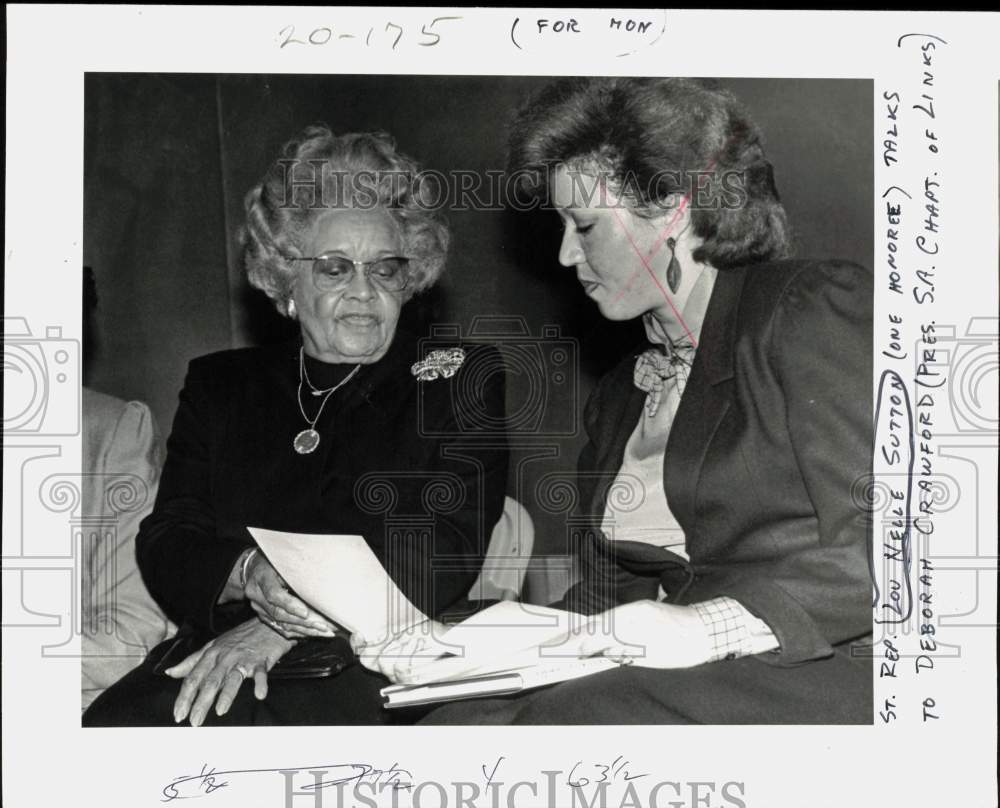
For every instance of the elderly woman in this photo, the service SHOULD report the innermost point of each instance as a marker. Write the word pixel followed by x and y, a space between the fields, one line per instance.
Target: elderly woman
pixel 733 562
pixel 293 437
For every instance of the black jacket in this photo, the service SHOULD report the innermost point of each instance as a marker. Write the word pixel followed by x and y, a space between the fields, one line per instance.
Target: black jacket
pixel 767 456
pixel 396 463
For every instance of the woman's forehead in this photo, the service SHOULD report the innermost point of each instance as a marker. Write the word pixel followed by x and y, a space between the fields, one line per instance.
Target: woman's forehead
pixel 582 188
pixel 347 228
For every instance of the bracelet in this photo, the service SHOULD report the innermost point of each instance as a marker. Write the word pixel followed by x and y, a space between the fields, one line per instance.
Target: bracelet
pixel 246 566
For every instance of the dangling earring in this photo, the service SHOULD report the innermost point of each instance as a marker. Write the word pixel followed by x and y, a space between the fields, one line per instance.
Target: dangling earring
pixel 291 307
pixel 673 268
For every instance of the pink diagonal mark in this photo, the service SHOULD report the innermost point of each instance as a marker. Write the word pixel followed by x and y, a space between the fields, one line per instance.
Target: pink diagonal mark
pixel 668 228
pixel 656 247
pixel 654 251
pixel 673 221
pixel 649 269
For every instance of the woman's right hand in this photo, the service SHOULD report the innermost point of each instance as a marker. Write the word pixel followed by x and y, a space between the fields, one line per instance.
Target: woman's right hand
pixel 398 655
pixel 276 606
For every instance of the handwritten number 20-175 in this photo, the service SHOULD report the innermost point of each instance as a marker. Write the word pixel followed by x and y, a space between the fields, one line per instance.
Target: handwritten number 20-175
pixel 323 34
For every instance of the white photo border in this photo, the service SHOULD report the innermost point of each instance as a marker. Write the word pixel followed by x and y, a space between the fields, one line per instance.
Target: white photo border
pixel 939 745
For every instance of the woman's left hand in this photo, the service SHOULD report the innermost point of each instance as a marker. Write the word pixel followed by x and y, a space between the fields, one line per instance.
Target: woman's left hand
pixel 248 651
pixel 647 633
pixel 396 656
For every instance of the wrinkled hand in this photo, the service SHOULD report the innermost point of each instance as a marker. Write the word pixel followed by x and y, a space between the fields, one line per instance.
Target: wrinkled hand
pixel 248 651
pixel 397 655
pixel 280 609
pixel 647 633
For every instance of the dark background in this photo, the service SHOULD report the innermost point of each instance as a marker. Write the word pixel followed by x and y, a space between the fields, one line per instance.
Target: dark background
pixel 168 159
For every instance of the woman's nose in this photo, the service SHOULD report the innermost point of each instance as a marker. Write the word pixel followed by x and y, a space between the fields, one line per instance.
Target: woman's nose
pixel 570 251
pixel 361 286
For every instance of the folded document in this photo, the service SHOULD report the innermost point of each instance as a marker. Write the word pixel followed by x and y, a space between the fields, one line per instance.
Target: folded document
pixel 495 684
pixel 505 648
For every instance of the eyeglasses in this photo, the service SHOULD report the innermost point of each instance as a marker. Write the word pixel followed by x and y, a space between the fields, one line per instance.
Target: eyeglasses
pixel 333 272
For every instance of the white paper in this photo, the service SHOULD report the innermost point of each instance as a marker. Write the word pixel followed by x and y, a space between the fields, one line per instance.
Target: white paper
pixel 502 681
pixel 505 636
pixel 340 577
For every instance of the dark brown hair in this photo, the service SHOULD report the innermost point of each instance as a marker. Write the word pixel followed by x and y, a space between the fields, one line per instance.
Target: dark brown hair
pixel 656 138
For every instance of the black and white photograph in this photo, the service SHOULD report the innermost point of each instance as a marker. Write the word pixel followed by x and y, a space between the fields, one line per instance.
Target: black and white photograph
pixel 644 222
pixel 398 402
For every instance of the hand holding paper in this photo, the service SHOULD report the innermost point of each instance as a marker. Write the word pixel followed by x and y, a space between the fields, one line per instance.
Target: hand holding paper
pixel 505 648
pixel 397 657
pixel 276 606
pixel 340 577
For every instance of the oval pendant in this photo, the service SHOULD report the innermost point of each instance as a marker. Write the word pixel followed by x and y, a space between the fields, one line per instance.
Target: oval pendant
pixel 306 441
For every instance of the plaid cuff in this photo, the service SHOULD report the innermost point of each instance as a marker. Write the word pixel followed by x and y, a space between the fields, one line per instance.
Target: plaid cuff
pixel 733 631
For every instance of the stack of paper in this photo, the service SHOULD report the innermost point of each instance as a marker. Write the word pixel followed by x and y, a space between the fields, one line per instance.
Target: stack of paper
pixel 505 648
pixel 495 684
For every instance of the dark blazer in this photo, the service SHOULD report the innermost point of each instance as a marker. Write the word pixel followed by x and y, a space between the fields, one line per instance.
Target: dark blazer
pixel 399 462
pixel 773 433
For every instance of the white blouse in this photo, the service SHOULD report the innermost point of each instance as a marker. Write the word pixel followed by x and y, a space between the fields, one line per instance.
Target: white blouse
pixel 636 507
